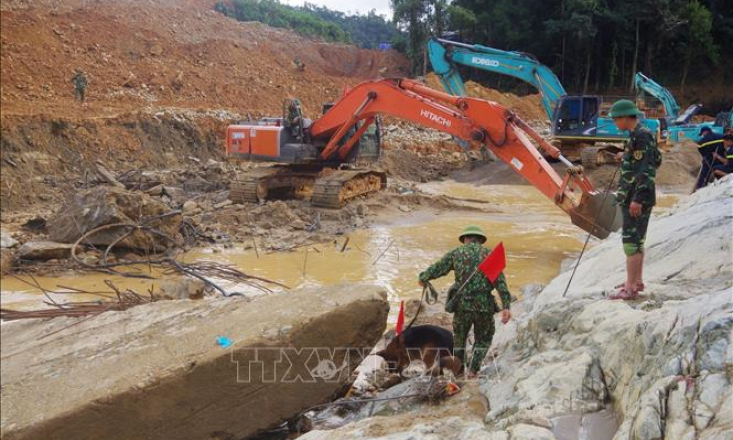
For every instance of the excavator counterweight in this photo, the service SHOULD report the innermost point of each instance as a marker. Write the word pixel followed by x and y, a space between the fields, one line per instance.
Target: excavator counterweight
pixel 348 131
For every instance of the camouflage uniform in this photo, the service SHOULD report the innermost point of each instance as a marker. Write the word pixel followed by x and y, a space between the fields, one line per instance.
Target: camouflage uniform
pixel 638 172
pixel 80 85
pixel 294 119
pixel 476 304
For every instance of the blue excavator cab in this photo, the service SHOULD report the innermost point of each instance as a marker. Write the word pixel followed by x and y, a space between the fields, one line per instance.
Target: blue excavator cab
pixel 584 118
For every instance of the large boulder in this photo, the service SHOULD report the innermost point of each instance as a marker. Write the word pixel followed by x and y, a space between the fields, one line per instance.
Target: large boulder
pixel 212 369
pixel 91 209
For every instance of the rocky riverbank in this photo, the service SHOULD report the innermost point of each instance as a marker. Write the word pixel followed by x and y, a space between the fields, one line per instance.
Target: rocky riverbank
pixel 662 365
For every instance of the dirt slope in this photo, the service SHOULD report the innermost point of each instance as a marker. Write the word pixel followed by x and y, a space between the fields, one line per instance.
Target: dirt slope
pixel 154 53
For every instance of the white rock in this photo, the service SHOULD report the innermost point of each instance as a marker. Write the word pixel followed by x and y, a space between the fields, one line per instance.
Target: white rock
pixel 6 241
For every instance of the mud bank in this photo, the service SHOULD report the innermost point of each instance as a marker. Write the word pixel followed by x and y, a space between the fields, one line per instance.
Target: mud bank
pixel 661 363
pixel 44 159
pixel 161 371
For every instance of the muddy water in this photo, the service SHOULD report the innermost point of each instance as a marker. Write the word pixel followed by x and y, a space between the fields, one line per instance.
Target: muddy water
pixel 391 253
pixel 537 237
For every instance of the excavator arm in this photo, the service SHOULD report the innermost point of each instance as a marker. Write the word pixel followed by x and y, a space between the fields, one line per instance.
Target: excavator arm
pixel 643 83
pixel 445 55
pixel 474 120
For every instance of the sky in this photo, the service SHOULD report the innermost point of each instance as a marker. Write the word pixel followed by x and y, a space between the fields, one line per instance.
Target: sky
pixel 361 6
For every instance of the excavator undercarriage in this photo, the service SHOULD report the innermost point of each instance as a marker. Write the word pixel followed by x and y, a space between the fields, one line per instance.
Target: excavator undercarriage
pixel 324 187
pixel 302 172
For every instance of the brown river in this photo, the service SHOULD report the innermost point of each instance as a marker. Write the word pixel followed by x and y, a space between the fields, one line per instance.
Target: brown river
pixel 390 253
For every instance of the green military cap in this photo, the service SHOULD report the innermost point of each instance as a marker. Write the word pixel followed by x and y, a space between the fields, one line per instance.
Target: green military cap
pixel 472 230
pixel 624 107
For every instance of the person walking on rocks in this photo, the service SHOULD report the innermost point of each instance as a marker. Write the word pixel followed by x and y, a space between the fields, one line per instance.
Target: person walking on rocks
pixel 80 84
pixel 636 193
pixel 475 305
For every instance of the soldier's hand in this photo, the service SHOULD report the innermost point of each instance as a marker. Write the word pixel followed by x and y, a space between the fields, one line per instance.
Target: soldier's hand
pixel 618 156
pixel 506 315
pixel 635 209
pixel 420 283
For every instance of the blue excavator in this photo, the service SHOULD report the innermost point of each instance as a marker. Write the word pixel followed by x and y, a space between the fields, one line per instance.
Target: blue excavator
pixel 578 121
pixel 676 126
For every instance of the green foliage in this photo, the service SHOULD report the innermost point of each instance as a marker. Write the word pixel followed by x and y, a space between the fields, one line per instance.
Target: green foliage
pixel 367 30
pixel 593 44
pixel 699 24
pixel 411 15
pixel 275 14
pixel 461 18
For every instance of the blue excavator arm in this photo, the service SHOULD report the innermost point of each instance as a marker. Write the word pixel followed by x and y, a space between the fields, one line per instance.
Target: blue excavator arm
pixel 643 83
pixel 445 55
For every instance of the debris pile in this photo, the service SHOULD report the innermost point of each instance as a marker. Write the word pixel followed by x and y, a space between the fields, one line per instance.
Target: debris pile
pixel 109 216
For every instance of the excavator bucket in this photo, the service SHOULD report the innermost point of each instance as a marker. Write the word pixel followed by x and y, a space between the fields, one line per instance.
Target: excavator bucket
pixel 598 214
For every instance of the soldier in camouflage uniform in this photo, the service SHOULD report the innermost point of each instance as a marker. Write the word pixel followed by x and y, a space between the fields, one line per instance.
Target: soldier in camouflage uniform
pixel 294 118
pixel 475 304
pixel 636 192
pixel 80 84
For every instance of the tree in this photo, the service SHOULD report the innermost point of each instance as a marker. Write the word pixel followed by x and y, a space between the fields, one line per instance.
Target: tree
pixel 699 45
pixel 461 19
pixel 411 15
pixel 420 19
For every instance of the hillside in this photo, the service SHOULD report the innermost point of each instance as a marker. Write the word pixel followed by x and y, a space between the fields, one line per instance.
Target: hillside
pixel 165 77
pixel 164 53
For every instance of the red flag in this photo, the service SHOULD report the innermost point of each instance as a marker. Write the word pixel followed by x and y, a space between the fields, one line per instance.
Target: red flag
pixel 494 263
pixel 400 318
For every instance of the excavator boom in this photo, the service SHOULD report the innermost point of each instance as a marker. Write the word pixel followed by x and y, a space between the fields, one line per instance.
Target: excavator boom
pixel 473 120
pixel 445 54
pixel 643 83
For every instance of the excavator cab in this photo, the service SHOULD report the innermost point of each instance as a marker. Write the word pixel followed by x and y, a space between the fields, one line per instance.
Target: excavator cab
pixel 368 148
pixel 576 116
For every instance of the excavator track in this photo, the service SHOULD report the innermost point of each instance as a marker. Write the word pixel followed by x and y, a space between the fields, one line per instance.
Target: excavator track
pixel 252 187
pixel 326 188
pixel 335 189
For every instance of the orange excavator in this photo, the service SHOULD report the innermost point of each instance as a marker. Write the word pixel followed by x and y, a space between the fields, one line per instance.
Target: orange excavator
pixel 316 154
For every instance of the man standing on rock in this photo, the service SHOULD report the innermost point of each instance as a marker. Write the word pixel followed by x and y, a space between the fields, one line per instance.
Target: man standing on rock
pixel 475 306
pixel 80 84
pixel 636 192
